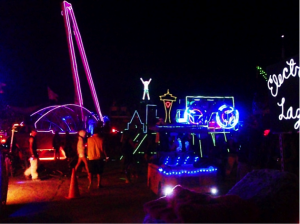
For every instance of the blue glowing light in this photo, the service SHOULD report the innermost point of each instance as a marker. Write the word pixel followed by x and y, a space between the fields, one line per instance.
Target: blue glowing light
pixel 227 117
pixel 168 172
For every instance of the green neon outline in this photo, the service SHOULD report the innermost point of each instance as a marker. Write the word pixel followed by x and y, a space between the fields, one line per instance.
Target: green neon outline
pixel 140 144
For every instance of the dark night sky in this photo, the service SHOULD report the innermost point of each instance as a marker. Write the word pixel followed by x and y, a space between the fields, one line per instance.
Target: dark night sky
pixel 190 47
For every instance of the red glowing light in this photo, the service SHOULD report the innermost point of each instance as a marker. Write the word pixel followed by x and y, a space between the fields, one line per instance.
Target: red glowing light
pixel 266 132
pixel 168 104
pixel 113 130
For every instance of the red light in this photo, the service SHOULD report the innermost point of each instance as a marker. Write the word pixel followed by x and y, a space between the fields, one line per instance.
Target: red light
pixel 3 140
pixel 113 130
pixel 266 132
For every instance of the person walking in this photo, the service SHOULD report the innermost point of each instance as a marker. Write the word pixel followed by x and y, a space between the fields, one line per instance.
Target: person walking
pixel 96 157
pixel 81 151
pixel 32 170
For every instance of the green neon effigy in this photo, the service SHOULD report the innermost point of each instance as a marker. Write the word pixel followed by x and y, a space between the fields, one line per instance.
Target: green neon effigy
pixel 140 144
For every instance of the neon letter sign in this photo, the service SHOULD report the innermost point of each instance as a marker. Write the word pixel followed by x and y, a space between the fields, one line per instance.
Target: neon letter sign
pixel 275 82
pixel 279 80
pixel 289 113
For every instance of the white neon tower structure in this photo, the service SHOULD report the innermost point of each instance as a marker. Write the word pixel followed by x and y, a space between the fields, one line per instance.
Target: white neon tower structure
pixel 68 14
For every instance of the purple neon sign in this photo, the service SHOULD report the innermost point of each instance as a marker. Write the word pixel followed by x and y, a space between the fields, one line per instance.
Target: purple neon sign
pixel 68 14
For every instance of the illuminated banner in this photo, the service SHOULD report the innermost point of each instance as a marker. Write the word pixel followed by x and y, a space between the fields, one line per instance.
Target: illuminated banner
pixel 209 111
pixel 283 85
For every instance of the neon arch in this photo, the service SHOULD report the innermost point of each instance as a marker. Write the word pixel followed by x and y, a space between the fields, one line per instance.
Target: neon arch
pixel 62 118
pixel 68 14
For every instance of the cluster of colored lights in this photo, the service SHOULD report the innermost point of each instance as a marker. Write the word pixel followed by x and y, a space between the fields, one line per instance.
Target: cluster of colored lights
pixel 227 117
pixel 179 161
pixel 186 159
pixel 167 160
pixel 189 172
pixel 262 72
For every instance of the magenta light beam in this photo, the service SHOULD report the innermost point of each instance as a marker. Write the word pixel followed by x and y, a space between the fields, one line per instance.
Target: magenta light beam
pixel 69 13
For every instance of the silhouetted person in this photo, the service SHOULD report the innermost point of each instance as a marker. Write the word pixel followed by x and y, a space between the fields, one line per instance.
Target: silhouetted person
pixel 56 143
pixel 96 157
pixel 81 151
pixel 128 147
pixel 68 145
pixel 32 170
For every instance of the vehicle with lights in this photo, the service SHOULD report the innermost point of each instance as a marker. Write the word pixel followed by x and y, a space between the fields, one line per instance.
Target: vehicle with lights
pixel 181 169
pixel 189 164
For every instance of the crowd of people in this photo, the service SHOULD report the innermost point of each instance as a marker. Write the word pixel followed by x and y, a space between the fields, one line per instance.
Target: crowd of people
pixel 89 151
pixel 237 153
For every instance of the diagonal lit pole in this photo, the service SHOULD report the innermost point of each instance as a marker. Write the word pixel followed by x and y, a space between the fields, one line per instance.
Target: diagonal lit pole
pixel 68 7
pixel 78 94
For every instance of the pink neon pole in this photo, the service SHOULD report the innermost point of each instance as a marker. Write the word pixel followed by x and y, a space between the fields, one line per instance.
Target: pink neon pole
pixel 68 13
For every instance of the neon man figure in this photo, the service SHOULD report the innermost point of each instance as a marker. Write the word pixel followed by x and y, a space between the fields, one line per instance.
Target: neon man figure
pixel 146 88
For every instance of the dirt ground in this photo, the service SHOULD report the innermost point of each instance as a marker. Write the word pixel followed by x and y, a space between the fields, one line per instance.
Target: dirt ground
pixel 45 201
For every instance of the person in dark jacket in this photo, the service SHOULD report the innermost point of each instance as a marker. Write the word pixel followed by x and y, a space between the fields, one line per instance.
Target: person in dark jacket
pixel 56 143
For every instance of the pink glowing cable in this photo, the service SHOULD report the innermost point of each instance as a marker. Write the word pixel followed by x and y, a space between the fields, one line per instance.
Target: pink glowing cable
pixel 68 14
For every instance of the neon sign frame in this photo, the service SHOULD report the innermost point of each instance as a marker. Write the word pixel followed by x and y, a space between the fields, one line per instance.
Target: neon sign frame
pixel 189 119
pixel 136 113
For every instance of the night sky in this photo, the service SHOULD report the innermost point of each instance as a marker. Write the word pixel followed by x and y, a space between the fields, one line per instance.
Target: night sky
pixel 190 47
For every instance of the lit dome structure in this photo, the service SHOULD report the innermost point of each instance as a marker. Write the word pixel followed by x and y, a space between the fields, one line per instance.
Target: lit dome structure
pixel 64 118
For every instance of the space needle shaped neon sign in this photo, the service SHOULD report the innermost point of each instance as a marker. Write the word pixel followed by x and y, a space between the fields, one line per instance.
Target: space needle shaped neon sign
pixel 276 81
pixel 168 100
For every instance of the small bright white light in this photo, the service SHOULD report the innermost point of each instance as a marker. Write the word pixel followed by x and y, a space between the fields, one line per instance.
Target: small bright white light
pixel 168 190
pixel 214 190
pixel 282 36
